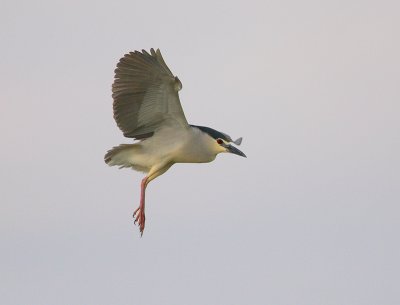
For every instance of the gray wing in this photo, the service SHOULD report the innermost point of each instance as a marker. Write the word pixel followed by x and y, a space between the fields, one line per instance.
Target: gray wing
pixel 145 94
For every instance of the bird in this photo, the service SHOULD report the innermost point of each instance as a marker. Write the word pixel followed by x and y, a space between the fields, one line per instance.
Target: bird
pixel 147 108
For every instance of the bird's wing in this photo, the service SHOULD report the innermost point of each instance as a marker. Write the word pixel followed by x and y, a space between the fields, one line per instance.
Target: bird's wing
pixel 145 94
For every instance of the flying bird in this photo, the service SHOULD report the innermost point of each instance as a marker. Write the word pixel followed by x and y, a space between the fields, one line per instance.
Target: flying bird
pixel 147 108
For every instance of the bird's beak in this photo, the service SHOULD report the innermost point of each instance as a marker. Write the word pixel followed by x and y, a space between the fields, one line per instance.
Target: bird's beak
pixel 234 150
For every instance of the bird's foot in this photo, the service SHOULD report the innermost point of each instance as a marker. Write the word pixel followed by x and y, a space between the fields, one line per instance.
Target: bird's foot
pixel 140 219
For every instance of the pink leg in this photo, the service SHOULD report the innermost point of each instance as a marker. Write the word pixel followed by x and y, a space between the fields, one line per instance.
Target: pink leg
pixel 140 217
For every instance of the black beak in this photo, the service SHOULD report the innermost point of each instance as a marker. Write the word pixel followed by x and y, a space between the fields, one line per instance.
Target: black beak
pixel 234 150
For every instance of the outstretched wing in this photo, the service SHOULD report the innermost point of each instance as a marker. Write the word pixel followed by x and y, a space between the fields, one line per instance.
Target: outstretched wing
pixel 145 94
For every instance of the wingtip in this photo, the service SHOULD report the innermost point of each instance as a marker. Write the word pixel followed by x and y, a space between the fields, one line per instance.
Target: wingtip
pixel 144 52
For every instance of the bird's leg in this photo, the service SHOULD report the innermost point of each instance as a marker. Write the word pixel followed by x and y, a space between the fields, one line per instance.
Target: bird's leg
pixel 138 214
pixel 153 173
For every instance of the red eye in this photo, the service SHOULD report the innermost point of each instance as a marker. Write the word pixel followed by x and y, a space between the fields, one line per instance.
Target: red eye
pixel 219 141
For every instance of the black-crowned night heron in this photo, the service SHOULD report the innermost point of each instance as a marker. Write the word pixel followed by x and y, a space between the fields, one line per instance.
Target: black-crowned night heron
pixel 147 108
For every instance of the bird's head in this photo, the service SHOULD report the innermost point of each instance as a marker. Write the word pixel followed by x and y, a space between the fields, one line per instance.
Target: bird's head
pixel 225 146
pixel 222 142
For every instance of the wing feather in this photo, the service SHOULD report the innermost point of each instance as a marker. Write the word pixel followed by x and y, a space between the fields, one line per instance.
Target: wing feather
pixel 145 94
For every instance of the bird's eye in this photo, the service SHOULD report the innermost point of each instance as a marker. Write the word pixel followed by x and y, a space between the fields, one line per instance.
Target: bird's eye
pixel 219 141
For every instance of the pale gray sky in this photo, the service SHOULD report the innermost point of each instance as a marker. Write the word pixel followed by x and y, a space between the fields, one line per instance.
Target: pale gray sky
pixel 311 217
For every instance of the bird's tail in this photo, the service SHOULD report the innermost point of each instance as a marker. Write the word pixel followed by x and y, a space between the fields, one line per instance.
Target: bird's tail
pixel 123 156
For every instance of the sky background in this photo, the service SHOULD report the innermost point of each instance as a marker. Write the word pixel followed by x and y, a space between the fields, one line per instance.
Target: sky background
pixel 311 217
